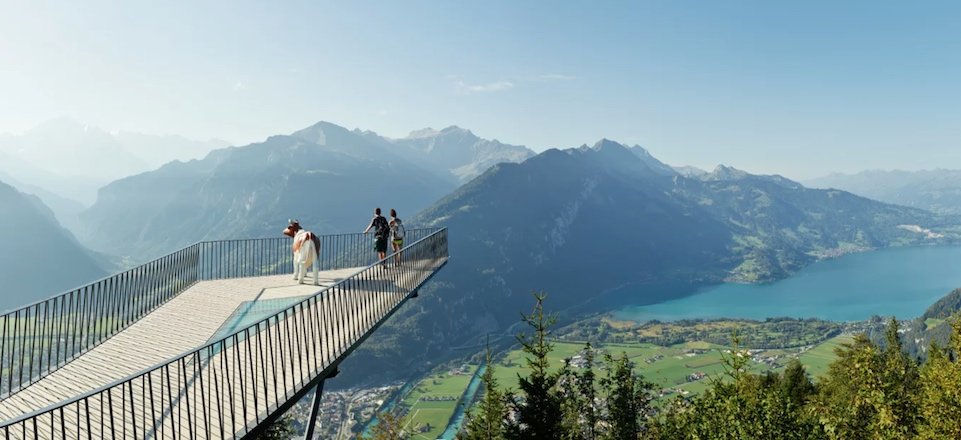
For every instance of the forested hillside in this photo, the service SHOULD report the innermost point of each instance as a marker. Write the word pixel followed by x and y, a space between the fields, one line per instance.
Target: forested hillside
pixel 869 392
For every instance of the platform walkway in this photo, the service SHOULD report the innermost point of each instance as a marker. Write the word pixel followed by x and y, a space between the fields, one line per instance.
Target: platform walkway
pixel 182 324
pixel 221 358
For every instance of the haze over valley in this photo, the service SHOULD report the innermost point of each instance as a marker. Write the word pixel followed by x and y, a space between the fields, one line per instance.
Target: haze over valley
pixel 933 190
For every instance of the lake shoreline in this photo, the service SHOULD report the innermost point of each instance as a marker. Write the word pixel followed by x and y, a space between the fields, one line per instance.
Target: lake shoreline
pixel 896 281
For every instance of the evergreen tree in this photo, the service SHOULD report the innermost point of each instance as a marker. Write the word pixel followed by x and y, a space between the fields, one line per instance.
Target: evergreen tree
pixel 588 394
pixel 869 392
pixel 281 429
pixel 898 414
pixel 628 399
pixel 490 420
pixel 539 413
pixel 940 400
pixel 795 384
pixel 848 394
pixel 738 406
pixel 389 427
pixel 572 403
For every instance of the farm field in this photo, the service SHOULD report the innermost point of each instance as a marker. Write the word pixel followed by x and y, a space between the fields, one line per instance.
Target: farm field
pixel 681 369
pixel 817 359
pixel 432 401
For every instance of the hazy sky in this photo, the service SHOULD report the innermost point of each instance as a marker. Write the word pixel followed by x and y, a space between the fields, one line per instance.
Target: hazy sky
pixel 797 88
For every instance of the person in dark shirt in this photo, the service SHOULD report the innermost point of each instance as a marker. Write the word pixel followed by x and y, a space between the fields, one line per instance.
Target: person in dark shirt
pixel 381 233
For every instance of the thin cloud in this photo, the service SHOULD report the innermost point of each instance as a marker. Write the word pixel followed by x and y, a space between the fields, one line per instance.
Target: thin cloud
pixel 497 86
pixel 239 85
pixel 500 86
pixel 556 77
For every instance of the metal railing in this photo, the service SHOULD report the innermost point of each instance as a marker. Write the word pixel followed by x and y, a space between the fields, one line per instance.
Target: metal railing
pixel 229 387
pixel 272 256
pixel 39 338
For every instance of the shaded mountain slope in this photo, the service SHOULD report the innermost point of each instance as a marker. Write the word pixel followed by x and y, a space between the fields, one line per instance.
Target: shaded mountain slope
pixel 66 210
pixel 251 191
pixel 602 226
pixel 779 226
pixel 329 177
pixel 38 258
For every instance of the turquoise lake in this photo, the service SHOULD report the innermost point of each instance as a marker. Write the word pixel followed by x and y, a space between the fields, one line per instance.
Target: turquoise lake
pixel 899 282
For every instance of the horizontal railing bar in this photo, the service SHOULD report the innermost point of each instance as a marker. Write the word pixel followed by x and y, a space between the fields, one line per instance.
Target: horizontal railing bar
pixel 346 234
pixel 92 283
pixel 4 313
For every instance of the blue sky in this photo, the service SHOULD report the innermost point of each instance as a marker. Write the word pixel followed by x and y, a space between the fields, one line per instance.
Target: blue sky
pixel 799 89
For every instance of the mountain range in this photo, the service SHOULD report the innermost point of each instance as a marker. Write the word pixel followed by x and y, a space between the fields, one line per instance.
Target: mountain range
pixel 603 226
pixel 327 176
pixel 935 190
pixel 69 148
pixel 459 151
pixel 65 162
pixel 39 257
pixel 595 226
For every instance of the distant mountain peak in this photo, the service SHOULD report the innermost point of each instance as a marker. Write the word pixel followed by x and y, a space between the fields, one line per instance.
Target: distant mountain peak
pixel 610 152
pixel 322 125
pixel 455 129
pixel 320 132
pixel 606 143
pixel 327 124
pixel 429 132
pixel 422 133
pixel 724 172
pixel 617 151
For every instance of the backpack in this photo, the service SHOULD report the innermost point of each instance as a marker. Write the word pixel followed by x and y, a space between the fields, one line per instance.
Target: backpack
pixel 383 229
pixel 398 230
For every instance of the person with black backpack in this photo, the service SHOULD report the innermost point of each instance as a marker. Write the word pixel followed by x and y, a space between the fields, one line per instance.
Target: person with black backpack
pixel 397 233
pixel 381 233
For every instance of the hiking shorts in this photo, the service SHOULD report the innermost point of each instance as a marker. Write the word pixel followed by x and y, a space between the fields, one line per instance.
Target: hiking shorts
pixel 399 242
pixel 380 244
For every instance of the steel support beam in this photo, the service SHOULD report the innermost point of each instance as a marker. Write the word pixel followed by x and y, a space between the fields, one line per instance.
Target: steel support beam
pixel 315 405
pixel 314 409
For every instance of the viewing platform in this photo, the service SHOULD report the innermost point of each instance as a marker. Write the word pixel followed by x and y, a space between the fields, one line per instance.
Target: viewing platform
pixel 213 341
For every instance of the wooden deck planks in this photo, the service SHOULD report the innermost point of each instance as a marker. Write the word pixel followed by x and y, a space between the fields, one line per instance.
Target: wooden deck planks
pixel 307 341
pixel 185 322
